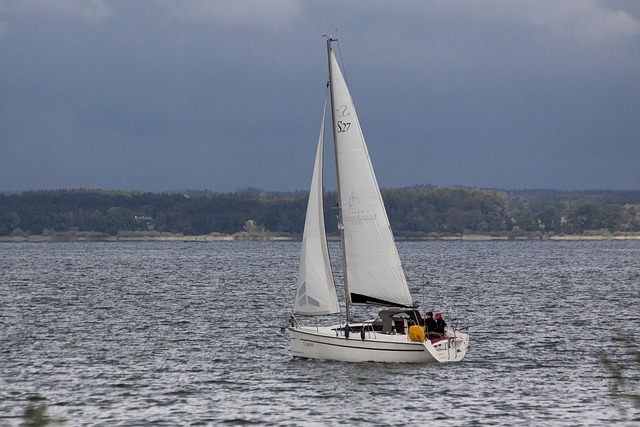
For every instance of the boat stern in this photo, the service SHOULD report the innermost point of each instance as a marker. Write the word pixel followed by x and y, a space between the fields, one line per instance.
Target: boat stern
pixel 451 348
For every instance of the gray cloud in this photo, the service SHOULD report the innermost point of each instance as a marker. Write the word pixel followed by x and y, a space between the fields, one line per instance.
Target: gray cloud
pixel 221 95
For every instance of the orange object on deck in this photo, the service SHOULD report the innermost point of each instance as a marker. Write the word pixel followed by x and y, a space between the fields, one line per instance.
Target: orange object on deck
pixel 416 333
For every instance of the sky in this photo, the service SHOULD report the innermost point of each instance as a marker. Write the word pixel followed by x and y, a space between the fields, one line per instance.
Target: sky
pixel 163 95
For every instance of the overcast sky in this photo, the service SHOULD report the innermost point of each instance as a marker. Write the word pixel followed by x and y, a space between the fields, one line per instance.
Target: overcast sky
pixel 222 95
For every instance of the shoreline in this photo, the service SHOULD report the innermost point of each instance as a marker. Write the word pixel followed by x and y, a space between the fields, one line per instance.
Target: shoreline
pixel 145 237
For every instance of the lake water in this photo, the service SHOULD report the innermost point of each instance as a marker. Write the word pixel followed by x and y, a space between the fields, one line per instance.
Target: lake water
pixel 153 333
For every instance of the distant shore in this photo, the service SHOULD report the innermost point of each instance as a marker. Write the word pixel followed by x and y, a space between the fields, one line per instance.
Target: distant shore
pixel 244 237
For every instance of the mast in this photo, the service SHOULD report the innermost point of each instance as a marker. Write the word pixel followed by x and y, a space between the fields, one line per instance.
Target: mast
pixel 347 295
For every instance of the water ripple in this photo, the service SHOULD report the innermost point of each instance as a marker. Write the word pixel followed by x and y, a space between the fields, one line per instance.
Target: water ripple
pixel 187 334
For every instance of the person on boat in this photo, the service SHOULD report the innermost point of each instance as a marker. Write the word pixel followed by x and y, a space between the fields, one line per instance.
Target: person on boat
pixel 440 326
pixel 429 325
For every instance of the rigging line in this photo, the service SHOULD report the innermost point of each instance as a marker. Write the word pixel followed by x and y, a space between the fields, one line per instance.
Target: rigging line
pixel 342 66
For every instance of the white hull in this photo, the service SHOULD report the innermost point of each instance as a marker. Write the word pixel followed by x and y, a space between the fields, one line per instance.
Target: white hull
pixel 323 343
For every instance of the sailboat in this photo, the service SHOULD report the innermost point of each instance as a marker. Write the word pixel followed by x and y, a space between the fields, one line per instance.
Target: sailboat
pixel 372 271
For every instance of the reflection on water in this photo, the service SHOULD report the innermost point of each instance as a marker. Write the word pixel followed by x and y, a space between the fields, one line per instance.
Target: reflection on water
pixel 187 333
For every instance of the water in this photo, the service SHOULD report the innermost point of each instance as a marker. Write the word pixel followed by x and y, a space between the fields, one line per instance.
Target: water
pixel 187 334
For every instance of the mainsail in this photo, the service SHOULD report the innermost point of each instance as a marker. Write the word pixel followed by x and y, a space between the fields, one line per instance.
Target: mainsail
pixel 316 289
pixel 374 273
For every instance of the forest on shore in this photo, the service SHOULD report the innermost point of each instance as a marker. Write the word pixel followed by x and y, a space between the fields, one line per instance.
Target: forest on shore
pixel 414 213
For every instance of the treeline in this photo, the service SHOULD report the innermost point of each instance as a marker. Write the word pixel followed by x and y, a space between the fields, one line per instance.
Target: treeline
pixel 413 212
pixel 462 210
